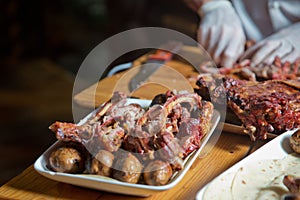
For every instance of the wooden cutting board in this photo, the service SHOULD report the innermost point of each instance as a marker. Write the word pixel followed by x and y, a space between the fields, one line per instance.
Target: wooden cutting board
pixel 175 74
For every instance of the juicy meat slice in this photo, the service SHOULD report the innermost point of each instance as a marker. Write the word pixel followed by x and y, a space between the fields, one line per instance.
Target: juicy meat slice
pixel 192 98
pixel 192 130
pixel 245 70
pixel 263 107
pixel 126 115
pixel 168 131
pixel 66 131
pixel 168 149
pixel 189 135
pixel 140 138
pixel 267 107
pixel 153 121
pixel 106 128
pixel 138 141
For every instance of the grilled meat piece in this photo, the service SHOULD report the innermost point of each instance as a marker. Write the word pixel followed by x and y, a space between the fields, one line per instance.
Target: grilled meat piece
pixel 105 129
pixel 245 70
pixel 268 107
pixel 168 131
pixel 168 149
pixel 263 107
pixel 158 131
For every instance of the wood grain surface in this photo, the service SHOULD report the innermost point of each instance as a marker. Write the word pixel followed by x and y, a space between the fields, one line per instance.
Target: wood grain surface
pixel 229 149
pixel 174 74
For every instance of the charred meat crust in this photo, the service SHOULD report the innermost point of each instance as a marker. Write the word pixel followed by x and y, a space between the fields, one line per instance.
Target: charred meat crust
pixel 263 107
pixel 169 130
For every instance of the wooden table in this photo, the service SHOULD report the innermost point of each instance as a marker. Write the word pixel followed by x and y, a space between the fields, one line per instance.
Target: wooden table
pixel 229 149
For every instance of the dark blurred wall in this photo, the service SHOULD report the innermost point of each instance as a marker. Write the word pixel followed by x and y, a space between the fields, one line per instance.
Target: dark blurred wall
pixel 66 30
pixel 42 45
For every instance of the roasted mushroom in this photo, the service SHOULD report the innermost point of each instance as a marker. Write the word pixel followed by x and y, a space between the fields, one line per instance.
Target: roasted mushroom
pixel 102 163
pixel 295 141
pixel 67 159
pixel 157 173
pixel 127 168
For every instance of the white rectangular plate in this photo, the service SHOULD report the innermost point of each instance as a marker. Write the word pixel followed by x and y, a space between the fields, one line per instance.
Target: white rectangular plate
pixel 277 148
pixel 112 185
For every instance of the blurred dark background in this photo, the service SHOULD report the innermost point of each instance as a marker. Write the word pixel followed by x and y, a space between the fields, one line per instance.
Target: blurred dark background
pixel 42 45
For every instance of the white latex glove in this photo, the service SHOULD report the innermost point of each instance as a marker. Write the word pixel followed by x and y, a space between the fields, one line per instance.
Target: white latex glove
pixel 195 4
pixel 221 33
pixel 285 44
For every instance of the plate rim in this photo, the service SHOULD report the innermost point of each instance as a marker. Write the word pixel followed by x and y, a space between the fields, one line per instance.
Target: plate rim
pixel 41 168
pixel 259 154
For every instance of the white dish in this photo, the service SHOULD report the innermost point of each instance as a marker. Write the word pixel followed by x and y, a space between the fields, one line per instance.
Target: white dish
pixel 277 148
pixel 112 185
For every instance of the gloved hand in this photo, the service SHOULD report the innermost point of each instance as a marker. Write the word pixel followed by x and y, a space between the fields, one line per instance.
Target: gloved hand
pixel 195 4
pixel 221 33
pixel 285 44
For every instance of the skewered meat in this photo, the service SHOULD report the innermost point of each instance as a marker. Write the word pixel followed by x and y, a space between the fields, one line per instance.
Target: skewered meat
pixel 157 173
pixel 127 168
pixel 295 141
pixel 67 159
pixel 263 107
pixel 102 163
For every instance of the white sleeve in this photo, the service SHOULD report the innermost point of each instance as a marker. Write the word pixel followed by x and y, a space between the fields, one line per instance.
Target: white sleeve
pixel 251 30
pixel 284 13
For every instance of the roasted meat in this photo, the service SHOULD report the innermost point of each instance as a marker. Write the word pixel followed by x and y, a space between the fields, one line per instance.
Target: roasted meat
pixel 263 107
pixel 169 130
pixel 105 129
pixel 245 70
